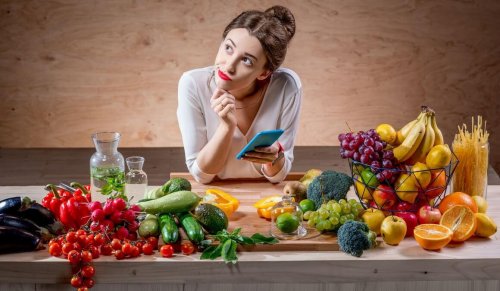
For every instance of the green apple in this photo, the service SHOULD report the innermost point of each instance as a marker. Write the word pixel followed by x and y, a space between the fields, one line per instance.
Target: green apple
pixel 393 230
pixel 373 218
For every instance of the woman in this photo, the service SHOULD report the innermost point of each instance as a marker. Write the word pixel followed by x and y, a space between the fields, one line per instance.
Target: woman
pixel 223 106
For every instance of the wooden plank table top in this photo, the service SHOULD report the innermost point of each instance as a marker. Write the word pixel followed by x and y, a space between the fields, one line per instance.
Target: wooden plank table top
pixel 476 259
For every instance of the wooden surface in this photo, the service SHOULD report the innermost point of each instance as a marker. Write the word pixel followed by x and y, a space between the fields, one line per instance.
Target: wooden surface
pixel 473 265
pixel 250 191
pixel 69 68
pixel 24 167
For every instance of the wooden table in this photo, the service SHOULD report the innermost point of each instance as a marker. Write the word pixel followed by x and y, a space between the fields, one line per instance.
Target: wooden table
pixel 474 265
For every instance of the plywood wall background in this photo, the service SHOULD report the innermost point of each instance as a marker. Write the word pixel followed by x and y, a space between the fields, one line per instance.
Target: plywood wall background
pixel 70 68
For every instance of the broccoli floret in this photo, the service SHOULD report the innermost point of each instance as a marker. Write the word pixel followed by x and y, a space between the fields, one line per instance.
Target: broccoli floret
pixel 327 186
pixel 176 184
pixel 354 237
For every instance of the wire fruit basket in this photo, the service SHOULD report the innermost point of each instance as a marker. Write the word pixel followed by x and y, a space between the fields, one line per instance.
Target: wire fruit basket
pixel 403 189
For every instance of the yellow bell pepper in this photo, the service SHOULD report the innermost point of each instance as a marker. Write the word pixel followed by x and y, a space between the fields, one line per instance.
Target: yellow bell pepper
pixel 265 205
pixel 223 200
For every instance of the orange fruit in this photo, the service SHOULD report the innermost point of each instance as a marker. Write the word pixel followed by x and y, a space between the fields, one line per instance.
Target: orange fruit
pixel 462 222
pixel 457 198
pixel 437 185
pixel 432 236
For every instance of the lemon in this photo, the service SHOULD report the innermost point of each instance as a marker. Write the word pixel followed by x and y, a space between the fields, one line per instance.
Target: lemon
pixel 363 191
pixel 438 157
pixel 421 175
pixel 482 205
pixel 287 222
pixel 486 227
pixel 387 133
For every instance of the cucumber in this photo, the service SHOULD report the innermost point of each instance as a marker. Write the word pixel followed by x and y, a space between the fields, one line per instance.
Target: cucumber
pixel 181 201
pixel 169 229
pixel 192 227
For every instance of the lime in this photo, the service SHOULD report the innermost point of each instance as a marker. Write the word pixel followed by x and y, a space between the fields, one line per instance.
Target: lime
pixel 307 205
pixel 287 222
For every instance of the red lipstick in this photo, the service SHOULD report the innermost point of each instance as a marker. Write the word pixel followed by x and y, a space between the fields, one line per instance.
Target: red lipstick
pixel 223 76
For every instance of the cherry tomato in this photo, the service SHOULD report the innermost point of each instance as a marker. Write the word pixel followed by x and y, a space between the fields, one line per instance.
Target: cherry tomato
pixel 80 232
pixel 147 249
pixel 139 245
pixel 67 247
pixel 55 250
pixel 116 244
pixel 167 251
pixel 89 240
pixel 76 281
pixel 88 271
pixel 127 249
pixel 83 289
pixel 119 255
pixel 94 250
pixel 153 241
pixel 106 250
pixel 88 282
pixel 71 237
pixel 86 256
pixel 187 248
pixel 74 257
pixel 135 252
pixel 99 239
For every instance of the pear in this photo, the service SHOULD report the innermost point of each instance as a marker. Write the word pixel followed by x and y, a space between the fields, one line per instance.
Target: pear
pixel 295 189
pixel 309 176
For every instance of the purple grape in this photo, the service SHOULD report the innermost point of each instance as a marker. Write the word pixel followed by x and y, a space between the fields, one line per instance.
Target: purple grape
pixel 375 156
pixel 348 136
pixel 387 174
pixel 375 164
pixel 341 137
pixel 343 154
pixel 368 151
pixel 380 177
pixel 388 155
pixel 352 145
pixel 378 146
pixel 361 149
pixel 349 154
pixel 356 156
pixel 387 164
pixel 365 159
pixel 345 144
pixel 371 132
pixel 369 142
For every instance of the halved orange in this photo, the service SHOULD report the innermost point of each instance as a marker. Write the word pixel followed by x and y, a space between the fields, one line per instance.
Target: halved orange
pixel 461 220
pixel 432 236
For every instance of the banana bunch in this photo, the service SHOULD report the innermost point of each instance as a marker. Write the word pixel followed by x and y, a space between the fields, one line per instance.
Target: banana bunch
pixel 417 137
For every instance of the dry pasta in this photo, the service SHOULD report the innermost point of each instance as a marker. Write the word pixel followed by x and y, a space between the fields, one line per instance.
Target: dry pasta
pixel 471 149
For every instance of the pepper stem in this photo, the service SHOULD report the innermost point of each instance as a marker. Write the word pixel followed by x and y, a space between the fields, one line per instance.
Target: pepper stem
pixel 52 188
pixel 79 186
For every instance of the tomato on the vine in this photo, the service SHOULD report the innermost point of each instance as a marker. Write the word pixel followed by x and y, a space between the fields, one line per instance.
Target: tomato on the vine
pixel 76 281
pixel 88 282
pixel 88 271
pixel 127 249
pixel 116 244
pixel 74 257
pixel 153 241
pixel 167 251
pixel 147 249
pixel 106 250
pixel 55 250
pixel 71 237
pixel 86 256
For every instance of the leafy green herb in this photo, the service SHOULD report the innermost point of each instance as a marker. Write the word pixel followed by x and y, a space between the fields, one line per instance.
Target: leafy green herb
pixel 228 243
pixel 114 182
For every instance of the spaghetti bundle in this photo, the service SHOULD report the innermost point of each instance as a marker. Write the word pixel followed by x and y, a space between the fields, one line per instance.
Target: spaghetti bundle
pixel 471 149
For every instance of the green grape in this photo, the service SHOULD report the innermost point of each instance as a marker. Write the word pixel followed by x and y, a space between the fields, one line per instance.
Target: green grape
pixel 324 214
pixel 333 220
pixel 352 202
pixel 346 208
pixel 329 207
pixel 327 225
pixel 349 216
pixel 342 202
pixel 311 223
pixel 320 226
pixel 343 219
pixel 355 211
pixel 336 215
pixel 307 215
pixel 337 208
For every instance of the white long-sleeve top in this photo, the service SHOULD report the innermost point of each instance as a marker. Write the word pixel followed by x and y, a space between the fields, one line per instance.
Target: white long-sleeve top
pixel 198 122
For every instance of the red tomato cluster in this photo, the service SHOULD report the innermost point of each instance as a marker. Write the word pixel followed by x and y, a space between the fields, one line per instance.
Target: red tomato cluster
pixel 70 208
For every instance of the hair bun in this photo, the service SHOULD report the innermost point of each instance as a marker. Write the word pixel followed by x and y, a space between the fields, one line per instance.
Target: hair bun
pixel 284 16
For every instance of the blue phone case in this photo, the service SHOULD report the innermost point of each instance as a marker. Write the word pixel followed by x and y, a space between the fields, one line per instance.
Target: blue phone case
pixel 261 139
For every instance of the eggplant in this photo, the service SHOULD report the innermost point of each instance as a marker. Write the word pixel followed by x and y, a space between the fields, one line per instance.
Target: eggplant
pixel 12 205
pixel 24 224
pixel 41 216
pixel 14 240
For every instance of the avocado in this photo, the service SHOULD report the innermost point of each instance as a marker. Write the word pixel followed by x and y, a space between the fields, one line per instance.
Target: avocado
pixel 176 184
pixel 211 217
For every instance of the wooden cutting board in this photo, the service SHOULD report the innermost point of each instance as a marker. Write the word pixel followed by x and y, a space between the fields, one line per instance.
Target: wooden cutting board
pixel 248 191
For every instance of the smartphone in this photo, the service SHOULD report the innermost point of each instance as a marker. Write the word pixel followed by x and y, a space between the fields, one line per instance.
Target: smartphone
pixel 262 139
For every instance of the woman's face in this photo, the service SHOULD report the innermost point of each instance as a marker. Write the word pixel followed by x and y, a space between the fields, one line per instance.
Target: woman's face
pixel 240 61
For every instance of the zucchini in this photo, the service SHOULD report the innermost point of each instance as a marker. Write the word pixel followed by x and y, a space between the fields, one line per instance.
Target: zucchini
pixel 181 201
pixel 192 227
pixel 169 229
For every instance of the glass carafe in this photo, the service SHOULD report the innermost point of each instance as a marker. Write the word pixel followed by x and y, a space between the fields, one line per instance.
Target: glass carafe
pixel 107 166
pixel 287 220
pixel 136 180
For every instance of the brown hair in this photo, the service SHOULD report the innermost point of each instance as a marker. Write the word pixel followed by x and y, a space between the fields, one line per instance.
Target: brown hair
pixel 274 28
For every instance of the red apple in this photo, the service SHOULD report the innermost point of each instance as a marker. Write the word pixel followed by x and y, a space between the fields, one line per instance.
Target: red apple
pixel 385 197
pixel 428 214
pixel 411 221
pixel 404 206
